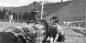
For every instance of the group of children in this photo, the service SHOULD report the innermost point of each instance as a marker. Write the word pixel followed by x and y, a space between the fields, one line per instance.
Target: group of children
pixel 58 36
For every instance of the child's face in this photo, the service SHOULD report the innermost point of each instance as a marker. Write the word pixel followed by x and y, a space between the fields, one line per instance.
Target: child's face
pixel 51 21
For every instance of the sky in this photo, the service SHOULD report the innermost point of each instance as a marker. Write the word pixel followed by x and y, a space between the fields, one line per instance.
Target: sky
pixel 17 3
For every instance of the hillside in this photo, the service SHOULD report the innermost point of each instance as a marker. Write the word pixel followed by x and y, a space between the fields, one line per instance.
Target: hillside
pixel 71 12
pixel 49 8
pixel 67 11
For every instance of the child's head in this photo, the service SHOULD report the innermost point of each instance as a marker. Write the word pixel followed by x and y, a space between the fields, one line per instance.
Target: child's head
pixel 54 20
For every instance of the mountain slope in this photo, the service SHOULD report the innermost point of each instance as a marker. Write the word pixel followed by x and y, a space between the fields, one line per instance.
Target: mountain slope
pixel 70 12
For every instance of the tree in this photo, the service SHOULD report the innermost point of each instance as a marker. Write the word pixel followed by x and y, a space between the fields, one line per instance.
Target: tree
pixel 32 16
pixel 25 16
pixel 3 13
pixel 29 16
pixel 14 15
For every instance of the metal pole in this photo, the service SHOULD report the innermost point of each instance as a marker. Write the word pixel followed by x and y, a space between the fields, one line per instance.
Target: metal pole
pixel 42 9
pixel 61 10
pixel 62 1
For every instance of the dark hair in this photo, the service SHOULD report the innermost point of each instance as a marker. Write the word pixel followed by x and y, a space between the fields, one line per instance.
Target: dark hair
pixel 56 21
pixel 54 17
pixel 43 22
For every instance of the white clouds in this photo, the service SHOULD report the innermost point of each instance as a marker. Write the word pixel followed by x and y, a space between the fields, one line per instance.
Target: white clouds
pixel 16 3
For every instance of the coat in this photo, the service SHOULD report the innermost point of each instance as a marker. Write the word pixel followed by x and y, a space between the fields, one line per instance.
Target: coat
pixel 6 37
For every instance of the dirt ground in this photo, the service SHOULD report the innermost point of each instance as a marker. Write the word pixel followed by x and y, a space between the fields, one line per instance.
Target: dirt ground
pixel 70 35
